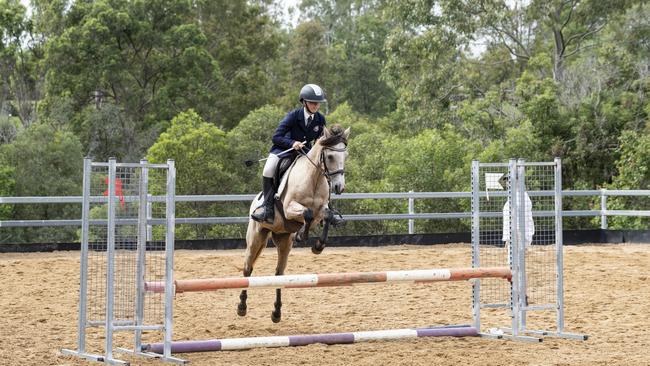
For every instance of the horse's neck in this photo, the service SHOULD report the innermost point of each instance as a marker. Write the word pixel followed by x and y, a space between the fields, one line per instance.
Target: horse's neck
pixel 306 173
pixel 313 170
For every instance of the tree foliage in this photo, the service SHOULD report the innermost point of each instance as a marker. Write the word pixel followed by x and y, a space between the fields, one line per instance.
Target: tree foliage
pixel 42 161
pixel 426 86
pixel 244 41
pixel 634 173
pixel 147 57
pixel 197 149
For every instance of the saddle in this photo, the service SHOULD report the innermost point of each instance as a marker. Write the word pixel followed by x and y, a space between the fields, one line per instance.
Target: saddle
pixel 280 183
pixel 279 180
pixel 280 176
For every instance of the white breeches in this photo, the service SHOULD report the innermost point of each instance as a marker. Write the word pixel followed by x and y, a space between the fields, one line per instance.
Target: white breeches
pixel 270 166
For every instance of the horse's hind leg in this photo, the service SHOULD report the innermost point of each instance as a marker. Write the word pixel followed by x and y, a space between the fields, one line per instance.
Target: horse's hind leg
pixel 283 242
pixel 255 243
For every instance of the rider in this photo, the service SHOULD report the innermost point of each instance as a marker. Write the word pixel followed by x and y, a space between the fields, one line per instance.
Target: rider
pixel 297 130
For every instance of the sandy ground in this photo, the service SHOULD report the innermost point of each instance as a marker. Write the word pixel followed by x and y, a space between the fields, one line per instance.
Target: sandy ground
pixel 607 295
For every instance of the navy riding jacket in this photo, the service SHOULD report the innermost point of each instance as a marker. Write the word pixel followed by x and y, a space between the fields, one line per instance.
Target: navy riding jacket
pixel 292 128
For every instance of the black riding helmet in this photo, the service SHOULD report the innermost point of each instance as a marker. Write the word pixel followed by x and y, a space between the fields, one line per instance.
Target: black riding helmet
pixel 312 93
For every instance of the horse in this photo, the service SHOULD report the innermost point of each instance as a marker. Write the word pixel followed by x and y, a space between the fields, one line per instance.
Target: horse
pixel 304 201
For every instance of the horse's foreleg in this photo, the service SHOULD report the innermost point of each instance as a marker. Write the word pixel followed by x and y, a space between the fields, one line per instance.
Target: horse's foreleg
pixel 283 243
pixel 303 234
pixel 294 211
pixel 243 296
pixel 319 245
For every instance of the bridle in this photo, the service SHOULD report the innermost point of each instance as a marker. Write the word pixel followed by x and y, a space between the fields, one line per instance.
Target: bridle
pixel 325 170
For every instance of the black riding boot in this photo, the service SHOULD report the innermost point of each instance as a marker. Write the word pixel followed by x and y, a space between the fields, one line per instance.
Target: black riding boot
pixel 266 210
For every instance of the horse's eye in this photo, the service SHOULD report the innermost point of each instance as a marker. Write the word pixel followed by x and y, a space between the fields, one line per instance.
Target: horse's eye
pixel 330 157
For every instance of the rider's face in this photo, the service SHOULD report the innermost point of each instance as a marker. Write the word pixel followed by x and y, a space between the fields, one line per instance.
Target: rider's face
pixel 313 106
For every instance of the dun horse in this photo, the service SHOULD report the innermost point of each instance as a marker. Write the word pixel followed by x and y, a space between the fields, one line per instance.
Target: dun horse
pixel 303 202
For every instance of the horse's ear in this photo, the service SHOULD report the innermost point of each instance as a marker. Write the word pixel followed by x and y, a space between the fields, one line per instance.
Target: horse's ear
pixel 326 133
pixel 346 133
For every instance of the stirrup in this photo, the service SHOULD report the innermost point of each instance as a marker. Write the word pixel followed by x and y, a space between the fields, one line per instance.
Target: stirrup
pixel 259 214
pixel 267 215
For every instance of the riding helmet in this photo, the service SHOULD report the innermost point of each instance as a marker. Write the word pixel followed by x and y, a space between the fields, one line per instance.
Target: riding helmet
pixel 312 93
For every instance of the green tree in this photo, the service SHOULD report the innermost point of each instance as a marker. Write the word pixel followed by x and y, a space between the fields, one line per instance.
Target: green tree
pixel 249 142
pixel 49 17
pixel 604 93
pixel 200 152
pixel 19 55
pixel 383 162
pixel 7 189
pixel 519 142
pixel 356 31
pixel 634 173
pixel 306 55
pixel 561 28
pixel 244 41
pixel 423 67
pixel 146 57
pixel 43 161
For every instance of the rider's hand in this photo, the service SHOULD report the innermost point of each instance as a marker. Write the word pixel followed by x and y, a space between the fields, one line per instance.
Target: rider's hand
pixel 297 145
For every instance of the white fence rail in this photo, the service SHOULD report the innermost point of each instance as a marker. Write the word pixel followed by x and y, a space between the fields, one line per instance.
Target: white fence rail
pixel 411 215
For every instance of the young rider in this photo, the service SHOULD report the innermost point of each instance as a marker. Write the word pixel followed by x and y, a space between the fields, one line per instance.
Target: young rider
pixel 298 130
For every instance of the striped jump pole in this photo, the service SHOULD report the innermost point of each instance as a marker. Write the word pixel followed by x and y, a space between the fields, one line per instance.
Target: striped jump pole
pixel 231 344
pixel 332 279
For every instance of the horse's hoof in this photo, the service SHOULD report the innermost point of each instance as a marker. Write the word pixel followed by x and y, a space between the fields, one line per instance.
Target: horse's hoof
pixel 316 250
pixel 276 318
pixel 241 310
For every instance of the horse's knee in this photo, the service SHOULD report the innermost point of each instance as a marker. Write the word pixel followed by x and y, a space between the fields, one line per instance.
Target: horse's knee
pixel 303 234
pixel 247 272
pixel 308 215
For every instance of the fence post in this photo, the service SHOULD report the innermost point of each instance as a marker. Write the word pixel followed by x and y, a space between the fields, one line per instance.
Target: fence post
pixel 170 216
pixel 603 208
pixel 411 212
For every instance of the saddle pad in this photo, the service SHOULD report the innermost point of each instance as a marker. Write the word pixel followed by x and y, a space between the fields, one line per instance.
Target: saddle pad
pixel 257 202
pixel 285 177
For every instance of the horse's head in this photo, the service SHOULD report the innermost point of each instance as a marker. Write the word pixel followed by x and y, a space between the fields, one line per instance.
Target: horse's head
pixel 334 151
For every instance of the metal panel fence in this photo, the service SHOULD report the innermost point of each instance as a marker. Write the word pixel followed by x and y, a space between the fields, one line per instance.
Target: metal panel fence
pixel 411 215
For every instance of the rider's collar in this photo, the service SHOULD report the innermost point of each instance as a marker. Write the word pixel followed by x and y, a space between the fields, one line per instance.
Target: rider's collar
pixel 306 113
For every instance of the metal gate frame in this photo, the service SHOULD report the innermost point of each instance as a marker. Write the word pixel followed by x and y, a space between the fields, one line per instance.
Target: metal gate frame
pixel 488 247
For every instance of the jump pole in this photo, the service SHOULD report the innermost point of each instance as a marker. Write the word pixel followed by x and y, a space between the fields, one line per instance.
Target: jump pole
pixel 231 344
pixel 332 279
pixel 323 280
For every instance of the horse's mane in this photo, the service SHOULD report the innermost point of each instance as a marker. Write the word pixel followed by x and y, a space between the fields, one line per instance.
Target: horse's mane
pixel 337 136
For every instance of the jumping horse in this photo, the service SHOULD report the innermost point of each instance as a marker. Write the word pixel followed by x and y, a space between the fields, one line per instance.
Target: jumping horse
pixel 303 202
